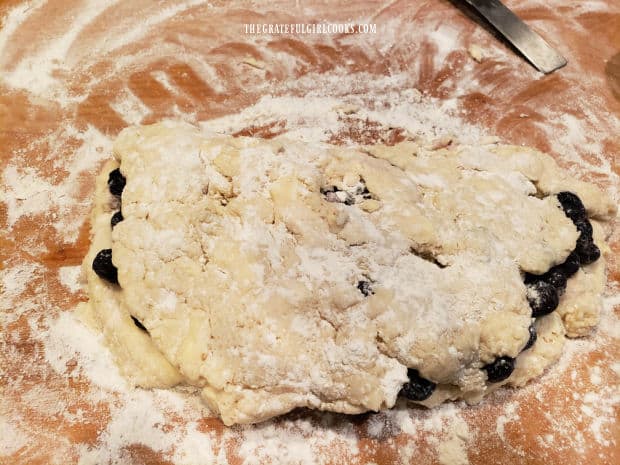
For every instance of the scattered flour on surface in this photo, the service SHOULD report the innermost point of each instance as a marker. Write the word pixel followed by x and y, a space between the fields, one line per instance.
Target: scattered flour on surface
pixel 70 277
pixel 138 416
pixel 68 338
pixel 508 416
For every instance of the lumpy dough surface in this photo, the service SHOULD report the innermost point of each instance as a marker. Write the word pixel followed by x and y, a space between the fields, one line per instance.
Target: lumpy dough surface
pixel 274 274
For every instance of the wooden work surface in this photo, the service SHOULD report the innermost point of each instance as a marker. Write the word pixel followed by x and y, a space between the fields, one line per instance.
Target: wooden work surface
pixel 65 67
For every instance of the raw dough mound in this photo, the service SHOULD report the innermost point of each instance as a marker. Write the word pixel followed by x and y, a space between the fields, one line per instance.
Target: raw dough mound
pixel 273 274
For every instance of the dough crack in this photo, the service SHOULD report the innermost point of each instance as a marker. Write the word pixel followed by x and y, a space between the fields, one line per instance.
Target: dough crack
pixel 428 256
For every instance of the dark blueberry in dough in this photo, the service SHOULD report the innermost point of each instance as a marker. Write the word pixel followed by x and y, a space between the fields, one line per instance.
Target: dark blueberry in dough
pixel 588 252
pixel 350 200
pixel 137 323
pixel 582 243
pixel 556 278
pixel 531 278
pixel 572 206
pixel 500 369
pixel 331 195
pixel 571 264
pixel 417 388
pixel 364 287
pixel 116 218
pixel 103 266
pixel 542 297
pixel 585 228
pixel 116 182
pixel 586 249
pixel 532 339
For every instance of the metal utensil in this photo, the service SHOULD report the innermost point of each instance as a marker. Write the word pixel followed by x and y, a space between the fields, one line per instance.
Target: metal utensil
pixel 533 47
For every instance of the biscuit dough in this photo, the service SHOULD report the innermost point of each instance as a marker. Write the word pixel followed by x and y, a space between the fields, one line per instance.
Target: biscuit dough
pixel 273 274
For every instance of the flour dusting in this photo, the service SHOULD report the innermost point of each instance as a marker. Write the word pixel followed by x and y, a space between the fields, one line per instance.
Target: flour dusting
pixel 61 388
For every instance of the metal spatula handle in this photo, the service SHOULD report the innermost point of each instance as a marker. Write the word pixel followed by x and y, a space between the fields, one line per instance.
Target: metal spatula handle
pixel 531 45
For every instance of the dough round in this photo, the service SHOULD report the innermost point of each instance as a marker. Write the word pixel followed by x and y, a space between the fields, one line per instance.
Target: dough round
pixel 274 274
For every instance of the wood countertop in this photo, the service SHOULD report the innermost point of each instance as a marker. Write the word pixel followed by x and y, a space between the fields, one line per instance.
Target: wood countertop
pixel 73 73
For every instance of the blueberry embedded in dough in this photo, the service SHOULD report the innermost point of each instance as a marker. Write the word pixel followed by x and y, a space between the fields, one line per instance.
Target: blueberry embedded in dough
pixel 116 182
pixel 555 277
pixel 500 369
pixel 571 264
pixel 417 388
pixel 103 266
pixel 572 206
pixel 365 288
pixel 532 340
pixel 334 194
pixel 116 218
pixel 587 251
pixel 542 297
pixel 584 227
pixel 366 194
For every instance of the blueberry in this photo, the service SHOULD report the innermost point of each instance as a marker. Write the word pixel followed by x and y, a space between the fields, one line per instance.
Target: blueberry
pixel 532 339
pixel 571 264
pixel 556 278
pixel 350 200
pixel 542 297
pixel 586 249
pixel 588 252
pixel 417 388
pixel 116 218
pixel 331 194
pixel 116 182
pixel 585 228
pixel 531 278
pixel 137 323
pixel 364 287
pixel 500 369
pixel 103 266
pixel 572 206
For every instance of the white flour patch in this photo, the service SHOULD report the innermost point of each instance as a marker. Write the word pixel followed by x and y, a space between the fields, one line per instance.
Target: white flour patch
pixel 70 277
pixel 509 416
pixel 28 193
pixel 67 339
pixel 296 443
pixel 15 280
pixel 35 72
pixel 450 435
pixel 198 447
pixel 13 437
pixel 25 193
pixel 13 20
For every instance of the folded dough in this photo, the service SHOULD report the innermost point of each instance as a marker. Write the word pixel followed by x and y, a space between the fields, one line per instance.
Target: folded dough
pixel 274 274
